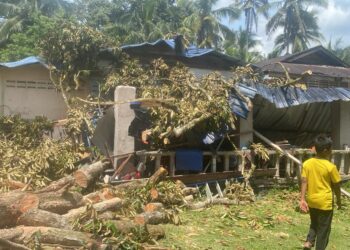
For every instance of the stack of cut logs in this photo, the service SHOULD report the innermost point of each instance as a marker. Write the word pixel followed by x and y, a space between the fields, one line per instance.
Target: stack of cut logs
pixel 52 211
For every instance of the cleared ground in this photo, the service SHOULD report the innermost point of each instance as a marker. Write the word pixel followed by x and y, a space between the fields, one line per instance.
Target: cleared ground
pixel 273 222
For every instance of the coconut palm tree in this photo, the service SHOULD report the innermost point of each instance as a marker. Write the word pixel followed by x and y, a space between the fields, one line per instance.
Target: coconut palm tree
pixel 16 13
pixel 298 23
pixel 252 8
pixel 340 51
pixel 206 22
pixel 244 47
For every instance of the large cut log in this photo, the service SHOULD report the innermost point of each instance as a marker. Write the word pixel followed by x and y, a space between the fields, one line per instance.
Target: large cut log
pixel 38 217
pixel 153 218
pixel 87 174
pixel 109 205
pixel 13 204
pixel 98 196
pixel 49 235
pixel 216 201
pixel 127 226
pixel 153 206
pixel 158 176
pixel 6 244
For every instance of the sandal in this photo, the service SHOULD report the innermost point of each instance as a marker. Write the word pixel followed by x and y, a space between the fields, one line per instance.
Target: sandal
pixel 308 245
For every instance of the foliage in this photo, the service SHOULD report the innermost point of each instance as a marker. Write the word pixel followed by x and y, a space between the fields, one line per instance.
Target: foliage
pixel 251 10
pixel 72 49
pixel 243 46
pixel 299 25
pixel 27 155
pixel 24 44
pixel 200 102
pixel 89 222
pixel 17 13
pixel 206 24
pixel 340 51
pixel 138 198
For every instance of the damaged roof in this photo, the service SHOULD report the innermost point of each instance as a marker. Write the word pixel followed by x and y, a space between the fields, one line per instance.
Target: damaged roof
pixel 318 59
pixel 192 55
pixel 24 62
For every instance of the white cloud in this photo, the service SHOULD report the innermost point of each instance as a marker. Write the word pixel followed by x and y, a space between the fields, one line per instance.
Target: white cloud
pixel 333 22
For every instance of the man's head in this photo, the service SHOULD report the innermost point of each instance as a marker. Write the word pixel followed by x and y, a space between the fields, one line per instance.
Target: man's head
pixel 323 145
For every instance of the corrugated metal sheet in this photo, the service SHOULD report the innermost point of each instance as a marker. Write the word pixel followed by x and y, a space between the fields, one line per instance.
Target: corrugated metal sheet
pixel 298 69
pixel 239 106
pixel 26 61
pixel 190 52
pixel 283 97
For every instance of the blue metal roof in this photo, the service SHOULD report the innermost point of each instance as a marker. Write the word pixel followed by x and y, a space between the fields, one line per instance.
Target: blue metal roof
pixel 284 97
pixel 239 106
pixel 190 52
pixel 24 62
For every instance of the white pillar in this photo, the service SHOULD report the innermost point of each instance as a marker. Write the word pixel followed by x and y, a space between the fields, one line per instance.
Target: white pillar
pixel 246 130
pixel 344 126
pixel 2 93
pixel 123 115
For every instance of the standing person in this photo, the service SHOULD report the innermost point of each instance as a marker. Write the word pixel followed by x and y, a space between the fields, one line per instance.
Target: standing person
pixel 319 177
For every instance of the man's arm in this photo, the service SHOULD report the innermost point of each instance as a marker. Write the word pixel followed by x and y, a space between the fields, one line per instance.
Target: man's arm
pixel 303 205
pixel 336 189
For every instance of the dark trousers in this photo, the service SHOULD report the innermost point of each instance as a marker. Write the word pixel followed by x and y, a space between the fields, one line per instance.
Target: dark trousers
pixel 320 227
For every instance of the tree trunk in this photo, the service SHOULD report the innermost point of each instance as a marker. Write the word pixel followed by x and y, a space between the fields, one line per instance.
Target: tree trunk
pixel 158 176
pixel 153 218
pixel 126 226
pixel 154 206
pixel 38 217
pixel 109 205
pixel 98 196
pixel 5 244
pixel 89 173
pixel 48 235
pixel 53 198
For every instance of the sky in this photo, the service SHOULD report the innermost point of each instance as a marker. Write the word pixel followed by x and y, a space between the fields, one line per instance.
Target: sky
pixel 334 23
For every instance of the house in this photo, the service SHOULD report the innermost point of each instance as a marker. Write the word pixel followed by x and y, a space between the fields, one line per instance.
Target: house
pixel 298 115
pixel 26 89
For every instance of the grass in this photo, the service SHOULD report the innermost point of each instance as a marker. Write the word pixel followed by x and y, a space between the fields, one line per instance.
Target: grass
pixel 272 222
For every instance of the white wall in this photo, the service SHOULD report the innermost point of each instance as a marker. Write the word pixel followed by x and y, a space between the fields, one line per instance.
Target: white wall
pixel 27 91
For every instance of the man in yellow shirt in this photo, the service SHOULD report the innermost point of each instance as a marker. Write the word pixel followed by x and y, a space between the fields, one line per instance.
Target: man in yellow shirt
pixel 319 178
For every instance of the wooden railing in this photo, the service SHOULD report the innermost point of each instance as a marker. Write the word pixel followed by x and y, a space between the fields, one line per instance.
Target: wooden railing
pixel 278 166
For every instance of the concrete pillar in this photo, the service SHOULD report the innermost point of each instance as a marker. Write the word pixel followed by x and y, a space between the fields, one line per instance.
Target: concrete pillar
pixel 123 114
pixel 335 120
pixel 344 125
pixel 2 93
pixel 246 130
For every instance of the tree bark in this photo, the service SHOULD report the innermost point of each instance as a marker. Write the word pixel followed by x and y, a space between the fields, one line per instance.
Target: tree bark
pixel 88 173
pixel 48 235
pixel 38 217
pixel 154 206
pixel 109 205
pixel 6 244
pixel 153 218
pixel 98 196
pixel 158 176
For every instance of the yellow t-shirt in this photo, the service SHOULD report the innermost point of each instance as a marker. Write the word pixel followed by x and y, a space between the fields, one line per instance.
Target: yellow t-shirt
pixel 320 175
